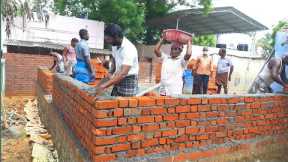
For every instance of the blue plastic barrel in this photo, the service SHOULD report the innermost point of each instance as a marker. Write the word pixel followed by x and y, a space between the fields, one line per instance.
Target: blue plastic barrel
pixel 188 82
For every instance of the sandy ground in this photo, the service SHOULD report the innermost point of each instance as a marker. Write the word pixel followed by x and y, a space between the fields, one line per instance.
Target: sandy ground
pixel 14 142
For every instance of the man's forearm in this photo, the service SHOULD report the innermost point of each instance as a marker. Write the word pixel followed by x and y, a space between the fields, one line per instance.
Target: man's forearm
pixel 114 79
pixel 279 80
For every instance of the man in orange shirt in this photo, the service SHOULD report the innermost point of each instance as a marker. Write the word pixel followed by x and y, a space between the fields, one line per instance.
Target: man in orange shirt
pixel 203 69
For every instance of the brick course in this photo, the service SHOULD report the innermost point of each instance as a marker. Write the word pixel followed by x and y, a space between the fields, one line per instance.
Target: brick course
pixel 139 126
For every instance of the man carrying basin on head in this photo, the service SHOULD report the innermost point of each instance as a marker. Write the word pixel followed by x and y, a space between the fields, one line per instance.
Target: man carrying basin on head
pixel 173 66
pixel 125 60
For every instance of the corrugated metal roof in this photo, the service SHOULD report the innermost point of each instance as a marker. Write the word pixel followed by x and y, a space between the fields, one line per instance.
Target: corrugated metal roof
pixel 220 20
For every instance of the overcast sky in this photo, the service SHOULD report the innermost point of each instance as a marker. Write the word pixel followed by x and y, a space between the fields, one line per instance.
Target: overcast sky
pixel 267 12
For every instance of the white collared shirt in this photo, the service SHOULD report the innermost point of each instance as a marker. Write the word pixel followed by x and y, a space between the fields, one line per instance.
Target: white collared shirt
pixel 172 73
pixel 224 65
pixel 126 55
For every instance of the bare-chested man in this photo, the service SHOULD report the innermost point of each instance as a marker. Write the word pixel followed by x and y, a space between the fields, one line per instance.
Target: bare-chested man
pixel 271 72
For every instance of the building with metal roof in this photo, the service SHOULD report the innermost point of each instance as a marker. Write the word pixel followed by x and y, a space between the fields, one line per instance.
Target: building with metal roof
pixel 219 20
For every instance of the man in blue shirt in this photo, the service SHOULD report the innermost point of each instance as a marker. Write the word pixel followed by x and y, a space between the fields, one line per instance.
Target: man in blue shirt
pixel 83 70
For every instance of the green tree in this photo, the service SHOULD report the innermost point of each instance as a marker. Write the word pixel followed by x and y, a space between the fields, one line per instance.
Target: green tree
pixel 205 40
pixel 130 14
pixel 267 43
pixel 12 8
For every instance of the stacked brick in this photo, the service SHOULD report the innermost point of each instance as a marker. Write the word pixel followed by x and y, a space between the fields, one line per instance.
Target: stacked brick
pixel 45 80
pixel 21 72
pixel 140 126
pixel 100 73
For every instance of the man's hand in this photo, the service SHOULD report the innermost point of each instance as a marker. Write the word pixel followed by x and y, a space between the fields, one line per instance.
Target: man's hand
pixel 229 78
pixel 99 90
pixel 93 76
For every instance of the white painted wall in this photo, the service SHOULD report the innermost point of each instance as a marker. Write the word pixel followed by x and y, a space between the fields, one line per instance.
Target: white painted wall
pixel 61 29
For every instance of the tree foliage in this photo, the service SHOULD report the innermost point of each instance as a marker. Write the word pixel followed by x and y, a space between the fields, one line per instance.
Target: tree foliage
pixel 130 14
pixel 267 43
pixel 205 40
pixel 12 8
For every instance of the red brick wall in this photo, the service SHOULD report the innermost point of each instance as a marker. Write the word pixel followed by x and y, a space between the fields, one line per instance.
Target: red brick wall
pixel 45 80
pixel 142 126
pixel 21 72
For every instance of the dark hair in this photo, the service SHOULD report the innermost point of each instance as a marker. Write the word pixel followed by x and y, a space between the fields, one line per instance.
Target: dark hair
pixel 74 40
pixel 223 50
pixel 205 48
pixel 83 32
pixel 113 30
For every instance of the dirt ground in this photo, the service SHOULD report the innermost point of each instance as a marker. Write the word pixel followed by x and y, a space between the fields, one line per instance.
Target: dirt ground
pixel 14 141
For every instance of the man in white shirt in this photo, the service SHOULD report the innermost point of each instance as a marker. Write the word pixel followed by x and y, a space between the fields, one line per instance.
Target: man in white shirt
pixel 224 71
pixel 126 67
pixel 173 66
pixel 58 62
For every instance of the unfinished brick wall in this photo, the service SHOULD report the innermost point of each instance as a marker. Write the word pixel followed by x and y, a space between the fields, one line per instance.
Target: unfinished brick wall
pixel 45 80
pixel 166 128
pixel 21 72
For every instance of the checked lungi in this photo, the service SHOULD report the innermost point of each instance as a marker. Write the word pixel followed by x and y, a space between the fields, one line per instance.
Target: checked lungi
pixel 126 87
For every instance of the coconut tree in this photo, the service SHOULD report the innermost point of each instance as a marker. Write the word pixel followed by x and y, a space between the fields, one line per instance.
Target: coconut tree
pixel 11 9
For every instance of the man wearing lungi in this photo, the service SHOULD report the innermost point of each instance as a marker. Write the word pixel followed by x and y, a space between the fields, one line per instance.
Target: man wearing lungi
pixel 125 55
pixel 224 71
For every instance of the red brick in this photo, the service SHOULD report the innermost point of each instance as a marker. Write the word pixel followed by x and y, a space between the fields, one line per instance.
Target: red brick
pixel 191 130
pixel 136 145
pixel 249 99
pixel 193 108
pixel 221 134
pixel 132 120
pixel 170 117
pixel 146 101
pixel 182 109
pixel 157 111
pixel 212 114
pixel 171 110
pixel 104 141
pixel 158 118
pixel 172 132
pixel 162 141
pixel 182 123
pixel 101 114
pixel 183 138
pixel 120 147
pixel 160 100
pixel 121 130
pixel 135 137
pixel 118 112
pixel 194 101
pixel 150 142
pixel 104 157
pixel 133 102
pixel 99 132
pixel 192 115
pixel 171 101
pixel 98 150
pixel 203 108
pixel 122 121
pixel 217 101
pixel 105 122
pixel 145 119
pixel 136 128
pixel 106 104
pixel 123 102
pixel 234 100
pixel 150 127
pixel 202 137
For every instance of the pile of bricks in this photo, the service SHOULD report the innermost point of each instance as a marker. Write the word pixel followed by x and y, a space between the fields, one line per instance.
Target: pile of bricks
pixel 142 126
